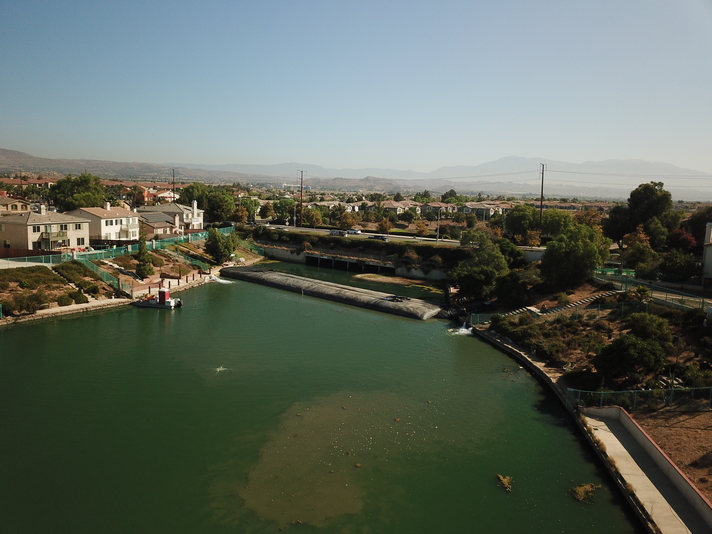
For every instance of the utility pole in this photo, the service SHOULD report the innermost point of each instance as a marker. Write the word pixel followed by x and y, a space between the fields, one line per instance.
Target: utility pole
pixel 301 198
pixel 541 198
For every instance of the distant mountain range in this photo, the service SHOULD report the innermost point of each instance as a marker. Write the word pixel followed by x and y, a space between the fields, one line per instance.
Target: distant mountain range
pixel 510 175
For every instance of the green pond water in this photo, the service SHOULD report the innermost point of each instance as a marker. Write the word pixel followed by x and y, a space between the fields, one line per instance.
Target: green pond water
pixel 343 419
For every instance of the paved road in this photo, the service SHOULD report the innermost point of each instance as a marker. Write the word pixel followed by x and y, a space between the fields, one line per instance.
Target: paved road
pixel 392 237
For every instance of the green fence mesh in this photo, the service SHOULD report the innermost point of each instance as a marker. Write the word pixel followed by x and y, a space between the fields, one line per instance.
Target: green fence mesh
pixel 675 399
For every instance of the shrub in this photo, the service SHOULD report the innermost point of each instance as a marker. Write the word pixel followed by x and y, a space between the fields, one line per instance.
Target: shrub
pixel 157 261
pixel 93 289
pixel 563 299
pixel 144 270
pixel 78 297
pixel 27 284
pixel 8 307
pixel 75 271
pixel 64 300
pixel 4 286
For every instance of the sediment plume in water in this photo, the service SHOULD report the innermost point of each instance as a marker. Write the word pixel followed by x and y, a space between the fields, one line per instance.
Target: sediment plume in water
pixel 317 465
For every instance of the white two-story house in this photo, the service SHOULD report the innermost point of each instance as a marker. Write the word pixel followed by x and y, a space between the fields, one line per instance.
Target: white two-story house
pixel 110 223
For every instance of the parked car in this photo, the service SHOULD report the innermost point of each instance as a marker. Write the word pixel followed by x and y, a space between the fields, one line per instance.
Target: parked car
pixel 379 237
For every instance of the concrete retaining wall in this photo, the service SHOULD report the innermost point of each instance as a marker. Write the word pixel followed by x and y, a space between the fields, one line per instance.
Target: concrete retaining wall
pixel 364 298
pixel 677 477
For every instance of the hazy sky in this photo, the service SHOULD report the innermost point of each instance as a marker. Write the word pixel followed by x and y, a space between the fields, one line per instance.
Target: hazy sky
pixel 350 84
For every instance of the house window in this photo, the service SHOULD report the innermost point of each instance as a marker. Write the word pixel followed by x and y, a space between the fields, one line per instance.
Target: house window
pixel 2 227
pixel 117 222
pixel 48 228
pixel 37 245
pixel 78 226
pixel 13 207
pixel 80 241
pixel 6 244
pixel 36 229
pixel 106 223
pixel 62 227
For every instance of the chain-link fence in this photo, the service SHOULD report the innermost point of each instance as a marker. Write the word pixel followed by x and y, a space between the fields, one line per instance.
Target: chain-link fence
pixel 674 399
pixel 657 293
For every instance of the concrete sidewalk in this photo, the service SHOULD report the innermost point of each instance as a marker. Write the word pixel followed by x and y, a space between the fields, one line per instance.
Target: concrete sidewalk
pixel 672 513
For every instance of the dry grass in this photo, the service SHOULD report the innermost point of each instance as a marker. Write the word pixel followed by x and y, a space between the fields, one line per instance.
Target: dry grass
pixel 686 437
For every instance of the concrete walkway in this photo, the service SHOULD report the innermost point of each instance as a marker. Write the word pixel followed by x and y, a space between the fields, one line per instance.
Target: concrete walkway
pixel 672 513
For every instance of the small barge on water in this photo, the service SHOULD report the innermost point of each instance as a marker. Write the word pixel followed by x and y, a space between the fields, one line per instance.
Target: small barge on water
pixel 163 301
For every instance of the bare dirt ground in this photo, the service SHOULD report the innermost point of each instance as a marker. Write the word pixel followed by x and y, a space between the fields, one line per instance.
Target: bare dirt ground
pixel 686 437
pixel 393 280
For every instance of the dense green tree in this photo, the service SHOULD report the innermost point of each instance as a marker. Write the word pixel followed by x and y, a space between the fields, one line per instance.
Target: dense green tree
pixel 145 265
pixel 221 205
pixel 572 257
pixel 459 217
pixel 252 205
pixel 476 276
pixel 618 223
pixel 312 217
pixel 555 222
pixel 697 224
pixel 639 253
pixel 448 195
pixel 521 219
pixel 407 216
pixel 649 326
pixel 656 233
pixel 676 266
pixel 283 208
pixel 511 252
pixel 511 290
pixel 629 354
pixel 398 197
pixel 647 201
pixel 423 197
pixel 267 211
pixel 72 192
pixel 220 246
pixel 195 191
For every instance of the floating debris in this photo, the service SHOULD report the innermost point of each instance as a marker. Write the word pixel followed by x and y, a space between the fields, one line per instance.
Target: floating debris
pixel 357 465
pixel 505 482
pixel 584 492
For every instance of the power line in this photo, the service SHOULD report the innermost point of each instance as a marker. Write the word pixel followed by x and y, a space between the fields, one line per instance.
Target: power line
pixel 693 176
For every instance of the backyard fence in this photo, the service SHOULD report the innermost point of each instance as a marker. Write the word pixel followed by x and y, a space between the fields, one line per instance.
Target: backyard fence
pixel 674 399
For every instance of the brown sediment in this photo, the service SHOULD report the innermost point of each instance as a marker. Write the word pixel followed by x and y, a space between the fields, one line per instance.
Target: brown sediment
pixel 316 468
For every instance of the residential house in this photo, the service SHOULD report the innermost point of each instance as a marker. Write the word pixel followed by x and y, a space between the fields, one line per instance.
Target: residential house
pixel 436 207
pixel 43 231
pixel 13 206
pixel 157 225
pixel 482 210
pixel 191 218
pixel 109 223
